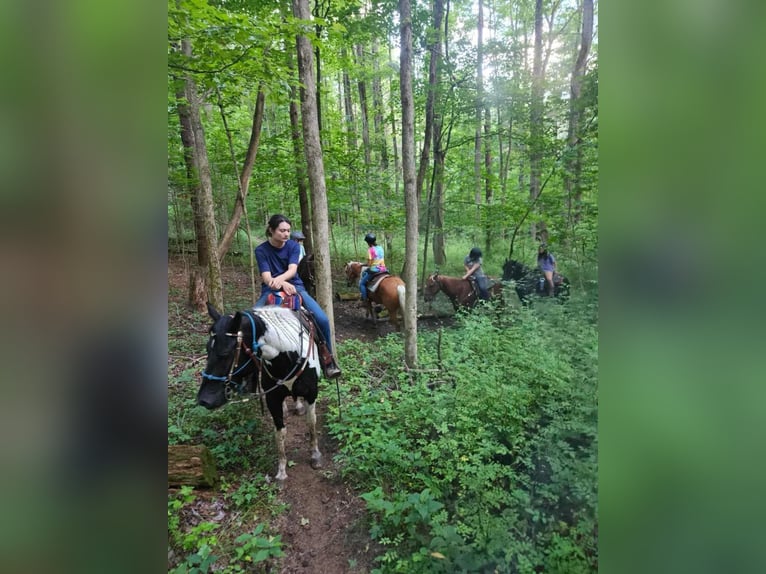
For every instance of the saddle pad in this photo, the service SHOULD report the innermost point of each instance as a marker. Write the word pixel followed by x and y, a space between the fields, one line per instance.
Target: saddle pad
pixel 375 281
pixel 282 299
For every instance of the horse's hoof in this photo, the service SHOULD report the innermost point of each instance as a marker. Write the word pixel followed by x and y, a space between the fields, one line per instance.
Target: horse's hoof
pixel 316 462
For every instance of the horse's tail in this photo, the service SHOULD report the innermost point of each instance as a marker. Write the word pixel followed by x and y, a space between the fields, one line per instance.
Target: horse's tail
pixel 401 291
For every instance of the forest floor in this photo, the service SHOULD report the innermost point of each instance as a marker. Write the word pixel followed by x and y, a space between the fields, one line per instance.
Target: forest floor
pixel 324 530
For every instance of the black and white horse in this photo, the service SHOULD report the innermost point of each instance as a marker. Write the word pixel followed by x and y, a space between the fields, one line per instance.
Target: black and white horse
pixel 530 281
pixel 275 343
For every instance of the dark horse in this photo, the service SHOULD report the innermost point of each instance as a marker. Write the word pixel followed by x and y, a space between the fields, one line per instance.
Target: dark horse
pixel 530 281
pixel 276 343
pixel 307 275
pixel 461 292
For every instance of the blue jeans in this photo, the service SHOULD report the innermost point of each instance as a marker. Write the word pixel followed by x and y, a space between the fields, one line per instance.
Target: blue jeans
pixel 363 283
pixel 311 305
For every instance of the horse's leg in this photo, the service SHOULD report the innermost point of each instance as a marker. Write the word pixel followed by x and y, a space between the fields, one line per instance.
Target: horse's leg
pixel 282 457
pixel 311 421
pixel 275 401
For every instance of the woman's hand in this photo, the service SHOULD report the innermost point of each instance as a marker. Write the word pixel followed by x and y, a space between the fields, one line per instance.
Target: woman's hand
pixel 289 288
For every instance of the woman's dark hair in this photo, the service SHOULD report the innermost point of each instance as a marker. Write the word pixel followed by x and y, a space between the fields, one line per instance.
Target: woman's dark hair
pixel 274 222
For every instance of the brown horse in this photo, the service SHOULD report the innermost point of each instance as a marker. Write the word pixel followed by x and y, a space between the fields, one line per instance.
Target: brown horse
pixel 389 292
pixel 460 292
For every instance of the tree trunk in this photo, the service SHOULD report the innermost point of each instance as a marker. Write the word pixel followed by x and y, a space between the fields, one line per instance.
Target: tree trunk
pixel 574 160
pixel 348 106
pixel 410 192
pixel 315 167
pixel 244 176
pixel 300 166
pixel 433 70
pixel 363 107
pixel 440 255
pixel 536 112
pixel 479 106
pixel 204 214
pixel 377 103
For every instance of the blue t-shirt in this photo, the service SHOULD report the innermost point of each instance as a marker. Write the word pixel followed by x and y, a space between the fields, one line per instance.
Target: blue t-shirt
pixel 275 261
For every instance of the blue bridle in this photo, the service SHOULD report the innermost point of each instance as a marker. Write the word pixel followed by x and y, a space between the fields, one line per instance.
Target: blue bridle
pixel 233 373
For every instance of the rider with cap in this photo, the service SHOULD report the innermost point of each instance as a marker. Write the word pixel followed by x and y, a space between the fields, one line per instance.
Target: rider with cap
pixel 472 264
pixel 299 237
pixel 375 263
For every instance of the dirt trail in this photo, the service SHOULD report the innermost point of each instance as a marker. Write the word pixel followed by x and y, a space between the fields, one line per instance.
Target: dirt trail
pixel 324 531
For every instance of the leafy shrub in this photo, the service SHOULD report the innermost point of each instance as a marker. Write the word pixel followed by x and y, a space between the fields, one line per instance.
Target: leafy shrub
pixel 498 432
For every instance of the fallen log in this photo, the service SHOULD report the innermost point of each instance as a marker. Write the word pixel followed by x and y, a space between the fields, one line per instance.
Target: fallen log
pixel 191 465
pixel 350 296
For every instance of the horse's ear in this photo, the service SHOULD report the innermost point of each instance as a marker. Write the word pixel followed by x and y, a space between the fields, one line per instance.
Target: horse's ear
pixel 214 314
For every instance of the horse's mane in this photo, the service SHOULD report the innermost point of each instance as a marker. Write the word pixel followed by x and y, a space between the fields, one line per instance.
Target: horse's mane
pixel 284 332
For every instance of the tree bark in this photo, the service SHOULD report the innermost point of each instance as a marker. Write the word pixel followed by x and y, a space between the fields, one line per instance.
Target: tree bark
pixel 315 166
pixel 410 192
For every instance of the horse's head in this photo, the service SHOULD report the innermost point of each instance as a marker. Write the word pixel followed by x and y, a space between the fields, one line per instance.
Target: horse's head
pixel 224 358
pixel 353 270
pixel 512 269
pixel 432 286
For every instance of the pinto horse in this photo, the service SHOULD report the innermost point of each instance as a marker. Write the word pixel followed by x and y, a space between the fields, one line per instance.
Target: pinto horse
pixel 388 290
pixel 275 343
pixel 461 292
pixel 530 281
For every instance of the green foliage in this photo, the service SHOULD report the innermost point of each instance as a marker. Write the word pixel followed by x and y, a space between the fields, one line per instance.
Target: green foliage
pixel 175 504
pixel 252 548
pixel 488 459
pixel 247 551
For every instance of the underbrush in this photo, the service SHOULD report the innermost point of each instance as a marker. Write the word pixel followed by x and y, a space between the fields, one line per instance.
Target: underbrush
pixel 484 459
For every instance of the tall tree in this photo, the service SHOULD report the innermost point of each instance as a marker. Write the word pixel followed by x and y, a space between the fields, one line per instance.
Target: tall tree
pixel 574 156
pixel 245 174
pixel 363 106
pixel 440 25
pixel 410 195
pixel 315 164
pixel 479 103
pixel 536 118
pixel 434 61
pixel 204 213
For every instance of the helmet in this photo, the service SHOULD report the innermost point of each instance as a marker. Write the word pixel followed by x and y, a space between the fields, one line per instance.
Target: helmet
pixel 296 235
pixel 475 253
pixel 370 238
